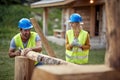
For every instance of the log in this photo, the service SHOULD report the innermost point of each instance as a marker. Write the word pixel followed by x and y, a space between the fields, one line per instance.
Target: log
pixel 112 57
pixel 35 56
pixel 43 39
pixel 23 68
pixel 24 65
pixel 71 72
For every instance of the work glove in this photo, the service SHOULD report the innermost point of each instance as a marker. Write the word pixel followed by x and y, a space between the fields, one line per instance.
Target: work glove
pixel 76 43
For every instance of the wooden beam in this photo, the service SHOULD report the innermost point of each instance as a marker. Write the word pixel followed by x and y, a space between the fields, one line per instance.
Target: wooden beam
pixel 43 38
pixel 92 22
pixel 113 33
pixel 45 21
pixel 79 3
pixel 68 13
pixel 70 72
pixel 44 4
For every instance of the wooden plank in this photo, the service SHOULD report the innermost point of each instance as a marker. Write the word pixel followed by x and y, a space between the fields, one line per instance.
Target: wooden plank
pixel 113 33
pixel 43 38
pixel 70 72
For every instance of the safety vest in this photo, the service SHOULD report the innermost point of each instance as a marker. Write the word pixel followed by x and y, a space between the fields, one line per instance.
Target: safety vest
pixel 76 55
pixel 31 42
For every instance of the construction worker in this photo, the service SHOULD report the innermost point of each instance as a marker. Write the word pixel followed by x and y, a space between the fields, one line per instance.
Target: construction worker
pixel 77 41
pixel 25 40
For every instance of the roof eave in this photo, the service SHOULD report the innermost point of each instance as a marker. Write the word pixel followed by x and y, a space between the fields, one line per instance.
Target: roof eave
pixel 61 3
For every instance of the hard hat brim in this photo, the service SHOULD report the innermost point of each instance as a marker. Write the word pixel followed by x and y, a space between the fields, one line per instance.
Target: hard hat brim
pixel 72 21
pixel 28 28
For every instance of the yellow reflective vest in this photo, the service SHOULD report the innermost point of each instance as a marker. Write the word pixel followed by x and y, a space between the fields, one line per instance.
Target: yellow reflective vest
pixel 31 42
pixel 76 55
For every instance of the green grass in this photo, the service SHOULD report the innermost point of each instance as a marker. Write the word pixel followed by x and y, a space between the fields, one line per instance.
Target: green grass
pixel 6 67
pixel 97 56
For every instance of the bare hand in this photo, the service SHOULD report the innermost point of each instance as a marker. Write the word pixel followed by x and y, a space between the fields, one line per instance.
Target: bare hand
pixel 26 50
pixel 17 53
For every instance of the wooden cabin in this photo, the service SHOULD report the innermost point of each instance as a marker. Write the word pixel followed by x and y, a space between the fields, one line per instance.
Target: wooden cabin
pixel 92 12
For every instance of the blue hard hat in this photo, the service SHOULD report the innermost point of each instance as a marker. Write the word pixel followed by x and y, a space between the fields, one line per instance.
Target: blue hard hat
pixel 25 23
pixel 75 18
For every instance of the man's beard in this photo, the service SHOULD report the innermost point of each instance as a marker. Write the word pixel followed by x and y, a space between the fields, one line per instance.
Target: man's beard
pixel 26 36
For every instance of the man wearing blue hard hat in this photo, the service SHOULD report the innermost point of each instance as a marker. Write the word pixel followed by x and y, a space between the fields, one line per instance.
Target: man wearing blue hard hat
pixel 77 41
pixel 25 40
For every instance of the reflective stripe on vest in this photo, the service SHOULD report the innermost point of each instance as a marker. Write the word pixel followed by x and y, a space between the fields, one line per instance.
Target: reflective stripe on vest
pixel 76 55
pixel 31 42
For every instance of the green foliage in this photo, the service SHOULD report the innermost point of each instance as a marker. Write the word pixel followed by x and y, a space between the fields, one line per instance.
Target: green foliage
pixel 9 17
pixel 9 2
pixel 54 13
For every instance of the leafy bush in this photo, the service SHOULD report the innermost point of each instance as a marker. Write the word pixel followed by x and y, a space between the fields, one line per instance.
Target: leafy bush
pixel 12 14
pixel 9 17
pixel 9 2
pixel 54 14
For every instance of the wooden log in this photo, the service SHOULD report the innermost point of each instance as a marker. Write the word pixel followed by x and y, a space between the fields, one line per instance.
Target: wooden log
pixel 70 72
pixel 35 56
pixel 23 68
pixel 43 39
pixel 113 34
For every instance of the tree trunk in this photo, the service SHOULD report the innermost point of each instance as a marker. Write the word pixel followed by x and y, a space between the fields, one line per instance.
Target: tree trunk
pixel 113 34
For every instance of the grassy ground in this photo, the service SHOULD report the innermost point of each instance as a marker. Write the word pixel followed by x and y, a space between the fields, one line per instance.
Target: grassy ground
pixel 7 64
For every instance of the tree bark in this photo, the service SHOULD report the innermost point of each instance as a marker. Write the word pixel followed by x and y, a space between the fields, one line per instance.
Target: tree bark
pixel 112 58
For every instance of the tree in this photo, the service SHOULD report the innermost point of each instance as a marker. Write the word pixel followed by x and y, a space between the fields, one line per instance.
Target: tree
pixel 9 2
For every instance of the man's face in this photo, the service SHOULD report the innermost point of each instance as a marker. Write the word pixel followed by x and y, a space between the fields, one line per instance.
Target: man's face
pixel 25 33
